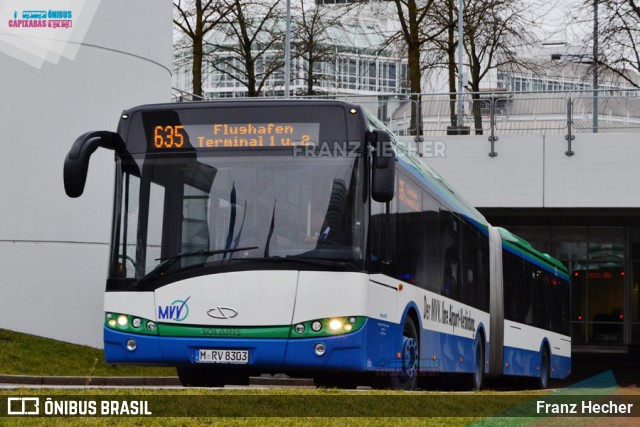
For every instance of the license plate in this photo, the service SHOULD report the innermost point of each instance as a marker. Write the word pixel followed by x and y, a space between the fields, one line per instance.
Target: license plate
pixel 237 357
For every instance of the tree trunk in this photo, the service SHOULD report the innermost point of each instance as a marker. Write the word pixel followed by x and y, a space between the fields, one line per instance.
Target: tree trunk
pixel 310 76
pixel 451 57
pixel 415 75
pixel 252 90
pixel 197 66
pixel 477 108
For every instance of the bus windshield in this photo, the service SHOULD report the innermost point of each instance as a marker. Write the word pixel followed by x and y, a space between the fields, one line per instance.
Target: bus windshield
pixel 182 214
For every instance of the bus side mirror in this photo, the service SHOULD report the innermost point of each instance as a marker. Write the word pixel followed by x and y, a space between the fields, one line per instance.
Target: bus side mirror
pixel 76 164
pixel 384 167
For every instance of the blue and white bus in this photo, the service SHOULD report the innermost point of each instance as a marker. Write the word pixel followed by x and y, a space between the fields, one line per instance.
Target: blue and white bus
pixel 297 237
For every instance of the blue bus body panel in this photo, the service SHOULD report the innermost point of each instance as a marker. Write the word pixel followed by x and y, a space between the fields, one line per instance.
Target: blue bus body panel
pixel 447 349
pixel 560 367
pixel 526 363
pixel 373 348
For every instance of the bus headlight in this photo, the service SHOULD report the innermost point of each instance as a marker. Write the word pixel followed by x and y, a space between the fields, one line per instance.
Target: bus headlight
pixel 327 327
pixel 130 324
pixel 123 320
pixel 335 324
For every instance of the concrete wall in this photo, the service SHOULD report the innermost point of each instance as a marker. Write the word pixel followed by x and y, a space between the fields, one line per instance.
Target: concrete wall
pixel 54 250
pixel 534 171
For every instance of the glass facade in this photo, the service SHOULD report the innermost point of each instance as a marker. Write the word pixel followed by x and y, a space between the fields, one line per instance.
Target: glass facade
pixel 360 62
pixel 604 264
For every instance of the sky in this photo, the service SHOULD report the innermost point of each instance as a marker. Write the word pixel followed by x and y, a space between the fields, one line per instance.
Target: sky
pixel 558 21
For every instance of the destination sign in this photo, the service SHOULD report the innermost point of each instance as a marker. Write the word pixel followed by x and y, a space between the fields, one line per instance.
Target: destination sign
pixel 235 135
pixel 409 196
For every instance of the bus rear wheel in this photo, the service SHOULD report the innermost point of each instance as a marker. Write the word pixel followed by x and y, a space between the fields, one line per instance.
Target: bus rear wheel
pixel 476 381
pixel 542 382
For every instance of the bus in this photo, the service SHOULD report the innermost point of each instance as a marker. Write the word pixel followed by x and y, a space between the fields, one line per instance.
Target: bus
pixel 299 237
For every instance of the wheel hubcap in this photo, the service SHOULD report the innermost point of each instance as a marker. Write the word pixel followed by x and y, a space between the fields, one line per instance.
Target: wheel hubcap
pixel 409 356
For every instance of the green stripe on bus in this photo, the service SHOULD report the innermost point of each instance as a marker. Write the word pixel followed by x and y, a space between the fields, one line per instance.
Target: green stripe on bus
pixel 560 269
pixel 170 330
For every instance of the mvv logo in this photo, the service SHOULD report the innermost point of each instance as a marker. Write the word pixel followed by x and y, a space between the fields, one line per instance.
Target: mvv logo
pixel 177 310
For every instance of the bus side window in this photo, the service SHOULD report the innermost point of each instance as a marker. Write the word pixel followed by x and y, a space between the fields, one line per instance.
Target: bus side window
pixel 378 226
pixel 450 248
pixel 432 253
pixel 409 231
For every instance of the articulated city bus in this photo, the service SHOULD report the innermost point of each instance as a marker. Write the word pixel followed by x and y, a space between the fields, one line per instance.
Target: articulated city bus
pixel 297 237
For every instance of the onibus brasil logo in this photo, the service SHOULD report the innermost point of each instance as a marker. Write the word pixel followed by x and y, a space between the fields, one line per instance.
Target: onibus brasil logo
pixel 178 310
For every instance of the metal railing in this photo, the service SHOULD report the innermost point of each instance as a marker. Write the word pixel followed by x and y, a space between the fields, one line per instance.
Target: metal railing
pixel 497 113
pixel 514 113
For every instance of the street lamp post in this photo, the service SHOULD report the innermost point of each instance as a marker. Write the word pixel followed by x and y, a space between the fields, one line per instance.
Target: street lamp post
pixel 595 66
pixel 287 53
pixel 459 94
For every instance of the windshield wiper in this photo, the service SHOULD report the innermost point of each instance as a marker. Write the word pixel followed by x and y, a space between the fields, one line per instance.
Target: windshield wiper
pixel 301 260
pixel 205 253
pixel 168 261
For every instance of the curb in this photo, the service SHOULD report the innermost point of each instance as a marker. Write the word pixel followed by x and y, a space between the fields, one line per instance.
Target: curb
pixel 136 381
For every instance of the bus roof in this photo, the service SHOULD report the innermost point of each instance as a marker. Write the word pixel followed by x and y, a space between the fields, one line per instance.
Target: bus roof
pixel 239 102
pixel 525 248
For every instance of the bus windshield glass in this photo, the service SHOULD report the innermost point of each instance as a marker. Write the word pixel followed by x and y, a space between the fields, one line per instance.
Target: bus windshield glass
pixel 186 213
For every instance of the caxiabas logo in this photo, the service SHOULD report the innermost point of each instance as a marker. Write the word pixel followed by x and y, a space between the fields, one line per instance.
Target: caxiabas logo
pixel 178 310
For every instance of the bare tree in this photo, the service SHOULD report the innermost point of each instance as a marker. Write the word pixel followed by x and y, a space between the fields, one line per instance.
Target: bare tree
pixel 195 19
pixel 494 32
pixel 619 37
pixel 442 50
pixel 412 17
pixel 312 42
pixel 251 42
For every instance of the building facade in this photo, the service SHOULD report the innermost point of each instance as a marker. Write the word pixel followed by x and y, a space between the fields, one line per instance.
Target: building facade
pixel 54 250
pixel 356 60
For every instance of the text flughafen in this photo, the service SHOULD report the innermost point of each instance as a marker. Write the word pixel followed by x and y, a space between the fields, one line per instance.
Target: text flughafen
pixel 249 135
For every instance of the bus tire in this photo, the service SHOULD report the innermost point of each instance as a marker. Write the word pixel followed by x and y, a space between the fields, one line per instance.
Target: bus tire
pixel 476 380
pixel 404 376
pixel 199 377
pixel 542 381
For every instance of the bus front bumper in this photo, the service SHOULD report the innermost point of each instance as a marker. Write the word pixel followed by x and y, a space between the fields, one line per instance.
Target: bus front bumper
pixel 341 352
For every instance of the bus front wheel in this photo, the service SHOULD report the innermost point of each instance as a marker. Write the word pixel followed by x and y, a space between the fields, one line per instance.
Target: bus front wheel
pixel 405 375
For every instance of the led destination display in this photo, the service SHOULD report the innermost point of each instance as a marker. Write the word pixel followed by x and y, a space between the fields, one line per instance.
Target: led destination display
pixel 235 135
